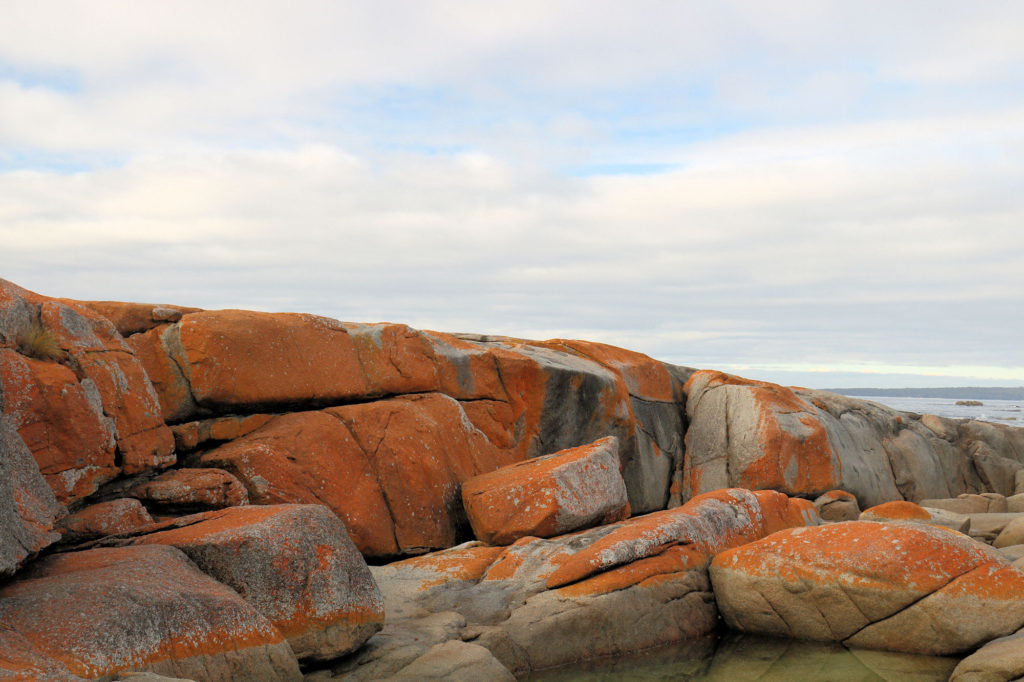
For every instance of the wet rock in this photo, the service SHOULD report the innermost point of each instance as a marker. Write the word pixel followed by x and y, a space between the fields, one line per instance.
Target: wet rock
pixel 547 496
pixel 872 585
pixel 104 518
pixel 189 490
pixel 293 563
pixel 108 610
pixel 837 505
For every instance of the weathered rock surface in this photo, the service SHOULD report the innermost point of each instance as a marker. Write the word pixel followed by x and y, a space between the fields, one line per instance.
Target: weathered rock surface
pixel 898 510
pixel 967 503
pixel 391 470
pixel 28 509
pixel 759 435
pixel 550 495
pixel 293 563
pixel 520 604
pixel 184 490
pixel 90 412
pixel 123 515
pixel 1011 534
pixel 873 585
pixel 998 661
pixel 455 660
pixel 837 505
pixel 107 610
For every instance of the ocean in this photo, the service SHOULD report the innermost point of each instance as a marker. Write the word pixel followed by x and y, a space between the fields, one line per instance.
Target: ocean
pixel 1009 412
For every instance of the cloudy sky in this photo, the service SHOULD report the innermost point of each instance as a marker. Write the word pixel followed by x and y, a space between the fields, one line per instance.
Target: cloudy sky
pixel 821 193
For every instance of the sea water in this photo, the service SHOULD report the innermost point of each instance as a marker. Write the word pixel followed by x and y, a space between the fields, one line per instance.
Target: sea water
pixel 1009 412
pixel 738 657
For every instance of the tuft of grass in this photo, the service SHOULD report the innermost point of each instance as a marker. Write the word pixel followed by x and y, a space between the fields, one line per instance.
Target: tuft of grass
pixel 36 341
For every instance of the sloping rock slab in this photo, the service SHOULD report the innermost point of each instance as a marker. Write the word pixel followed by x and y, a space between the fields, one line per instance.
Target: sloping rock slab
pixel 899 587
pixel 294 563
pixel 107 610
pixel 547 496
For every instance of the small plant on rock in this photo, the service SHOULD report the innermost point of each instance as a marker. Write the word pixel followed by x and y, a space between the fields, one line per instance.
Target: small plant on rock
pixel 36 341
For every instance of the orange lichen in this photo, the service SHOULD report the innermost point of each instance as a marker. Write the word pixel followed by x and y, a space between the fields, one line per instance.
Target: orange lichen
pixel 898 510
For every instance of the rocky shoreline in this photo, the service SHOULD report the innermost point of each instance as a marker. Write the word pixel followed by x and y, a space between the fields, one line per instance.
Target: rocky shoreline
pixel 217 495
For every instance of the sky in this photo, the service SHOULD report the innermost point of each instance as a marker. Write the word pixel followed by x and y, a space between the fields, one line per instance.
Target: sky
pixel 817 193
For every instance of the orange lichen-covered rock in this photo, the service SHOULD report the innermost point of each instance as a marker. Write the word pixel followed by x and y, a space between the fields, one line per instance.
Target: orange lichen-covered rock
pixel 156 352
pixel 903 587
pixel 549 495
pixel 838 505
pixel 753 434
pixel 143 440
pixel 104 518
pixel 710 523
pixel 61 421
pixel 896 511
pixel 192 490
pixel 240 358
pixel 294 563
pixel 28 509
pixel 191 435
pixel 312 458
pixel 108 610
pixel 421 449
pixel 132 318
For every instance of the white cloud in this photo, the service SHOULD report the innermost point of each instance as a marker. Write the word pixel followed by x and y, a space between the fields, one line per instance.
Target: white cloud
pixel 840 190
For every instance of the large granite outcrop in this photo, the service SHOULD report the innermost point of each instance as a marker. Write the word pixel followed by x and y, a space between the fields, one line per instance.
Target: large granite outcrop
pixel 185 410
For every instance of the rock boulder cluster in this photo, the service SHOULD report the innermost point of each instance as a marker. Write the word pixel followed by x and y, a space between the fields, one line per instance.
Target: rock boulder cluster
pixel 217 495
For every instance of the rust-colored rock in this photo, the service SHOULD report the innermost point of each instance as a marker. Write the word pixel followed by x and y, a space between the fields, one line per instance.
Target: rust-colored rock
pixel 549 495
pixel 896 511
pixel 143 440
pixel 312 458
pixel 192 490
pixel 753 434
pixel 191 435
pixel 154 349
pixel 709 524
pixel 422 448
pixel 294 563
pixel 235 358
pixel 132 318
pixel 903 587
pixel 108 610
pixel 62 423
pixel 123 515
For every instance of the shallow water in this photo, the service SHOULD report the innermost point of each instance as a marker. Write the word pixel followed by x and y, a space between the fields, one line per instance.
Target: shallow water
pixel 735 657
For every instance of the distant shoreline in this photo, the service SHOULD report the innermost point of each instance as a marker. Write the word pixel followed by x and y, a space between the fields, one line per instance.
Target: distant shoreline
pixel 960 392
